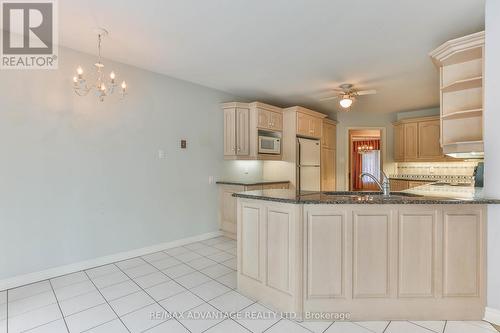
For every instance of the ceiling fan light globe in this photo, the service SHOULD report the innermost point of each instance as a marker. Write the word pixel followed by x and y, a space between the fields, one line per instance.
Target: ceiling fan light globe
pixel 345 102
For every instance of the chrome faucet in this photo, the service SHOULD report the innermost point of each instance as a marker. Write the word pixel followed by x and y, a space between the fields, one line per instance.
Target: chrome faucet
pixel 385 185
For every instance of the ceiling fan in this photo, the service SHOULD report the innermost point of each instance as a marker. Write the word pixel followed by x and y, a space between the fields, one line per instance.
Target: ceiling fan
pixel 346 95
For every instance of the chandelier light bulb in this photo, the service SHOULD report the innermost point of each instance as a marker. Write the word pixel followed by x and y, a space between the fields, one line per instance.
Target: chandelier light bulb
pixel 345 102
pixel 103 84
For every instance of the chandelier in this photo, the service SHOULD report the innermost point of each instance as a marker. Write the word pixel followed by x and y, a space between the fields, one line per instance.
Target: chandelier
pixel 102 87
pixel 363 149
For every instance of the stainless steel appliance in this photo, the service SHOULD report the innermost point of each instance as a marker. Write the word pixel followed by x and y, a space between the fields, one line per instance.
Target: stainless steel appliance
pixel 308 164
pixel 269 145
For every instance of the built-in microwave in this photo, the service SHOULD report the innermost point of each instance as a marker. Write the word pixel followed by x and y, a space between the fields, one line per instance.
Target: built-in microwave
pixel 269 145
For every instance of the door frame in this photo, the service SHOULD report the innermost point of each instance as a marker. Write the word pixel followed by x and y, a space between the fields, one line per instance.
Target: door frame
pixel 383 152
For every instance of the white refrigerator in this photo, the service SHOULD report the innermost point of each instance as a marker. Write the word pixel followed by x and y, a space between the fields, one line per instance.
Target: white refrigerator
pixel 308 164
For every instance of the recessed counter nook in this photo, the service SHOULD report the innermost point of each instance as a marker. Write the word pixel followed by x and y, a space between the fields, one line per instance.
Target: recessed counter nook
pixel 402 257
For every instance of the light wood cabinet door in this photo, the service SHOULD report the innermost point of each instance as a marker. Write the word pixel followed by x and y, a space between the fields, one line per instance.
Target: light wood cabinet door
pixel 276 121
pixel 303 124
pixel 327 169
pixel 227 208
pixel 399 143
pixel 242 131
pixel 328 136
pixel 372 264
pixel 263 118
pixel 428 140
pixel 308 125
pixel 411 141
pixel 316 127
pixel 229 132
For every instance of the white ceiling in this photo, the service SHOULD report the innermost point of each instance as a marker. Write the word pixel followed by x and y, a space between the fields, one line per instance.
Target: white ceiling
pixel 281 51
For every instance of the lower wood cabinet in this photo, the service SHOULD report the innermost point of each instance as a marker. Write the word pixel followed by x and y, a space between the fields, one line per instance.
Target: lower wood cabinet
pixel 401 185
pixel 370 262
pixel 395 262
pixel 227 203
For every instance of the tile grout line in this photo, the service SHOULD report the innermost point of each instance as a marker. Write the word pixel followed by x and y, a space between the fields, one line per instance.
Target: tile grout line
pixel 157 302
pixel 444 327
pixel 385 329
pixel 106 303
pixel 59 306
pixel 132 279
pixel 411 322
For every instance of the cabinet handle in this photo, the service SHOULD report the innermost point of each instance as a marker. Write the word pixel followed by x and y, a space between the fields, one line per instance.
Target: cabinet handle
pixel 239 148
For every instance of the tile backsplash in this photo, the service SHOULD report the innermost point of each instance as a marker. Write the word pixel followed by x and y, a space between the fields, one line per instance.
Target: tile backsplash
pixel 436 168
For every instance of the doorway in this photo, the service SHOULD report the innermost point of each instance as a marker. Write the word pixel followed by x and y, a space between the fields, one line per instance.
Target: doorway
pixel 365 147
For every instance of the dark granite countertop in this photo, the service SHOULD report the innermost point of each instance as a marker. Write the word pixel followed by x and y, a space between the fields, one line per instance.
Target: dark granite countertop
pixel 251 182
pixel 408 197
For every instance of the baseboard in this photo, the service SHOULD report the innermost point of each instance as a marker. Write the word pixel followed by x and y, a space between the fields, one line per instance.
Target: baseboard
pixel 492 315
pixel 22 280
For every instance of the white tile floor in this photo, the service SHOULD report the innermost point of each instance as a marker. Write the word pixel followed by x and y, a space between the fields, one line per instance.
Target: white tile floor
pixel 194 279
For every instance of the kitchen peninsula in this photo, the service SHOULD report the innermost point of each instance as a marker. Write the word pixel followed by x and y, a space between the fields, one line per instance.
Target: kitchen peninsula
pixel 404 256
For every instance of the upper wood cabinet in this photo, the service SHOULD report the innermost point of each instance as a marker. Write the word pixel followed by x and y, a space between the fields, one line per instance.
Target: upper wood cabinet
pixel 242 122
pixel 270 120
pixel 236 131
pixel 411 140
pixel 242 131
pixel 308 125
pixel 328 155
pixel 329 140
pixel 417 140
pixel 428 135
pixel 399 142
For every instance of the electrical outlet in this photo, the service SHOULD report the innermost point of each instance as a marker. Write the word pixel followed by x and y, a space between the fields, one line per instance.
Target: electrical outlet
pixel 161 154
pixel 211 180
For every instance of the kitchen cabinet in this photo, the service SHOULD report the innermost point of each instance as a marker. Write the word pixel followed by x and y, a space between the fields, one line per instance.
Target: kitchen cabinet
pixel 327 169
pixel 411 140
pixel 270 120
pixel 401 184
pixel 399 143
pixel 227 203
pixel 428 140
pixel 417 140
pixel 242 123
pixel 397 261
pixel 329 137
pixel 236 131
pixel 242 131
pixel 308 125
pixel 460 63
pixel 328 155
pixel 398 185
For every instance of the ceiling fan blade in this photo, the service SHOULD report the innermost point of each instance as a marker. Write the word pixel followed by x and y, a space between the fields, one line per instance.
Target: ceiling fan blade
pixel 366 92
pixel 328 98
